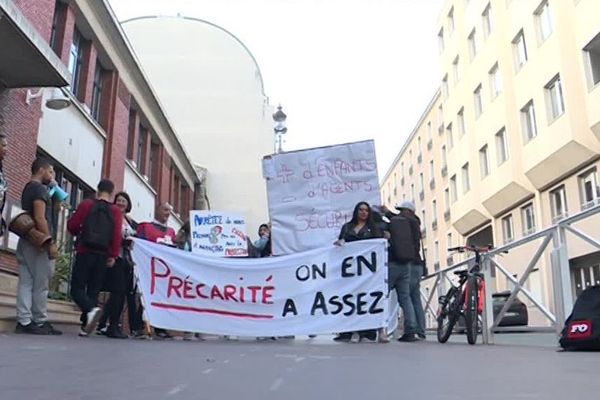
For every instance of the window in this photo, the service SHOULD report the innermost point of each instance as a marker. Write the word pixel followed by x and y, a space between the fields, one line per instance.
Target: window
pixel 449 138
pixel 58 23
pixel 488 23
pixel 508 229
pixel 97 91
pixel 429 132
pixel 484 162
pixel 544 20
pixel 76 61
pixel 460 119
pixel 402 170
pixel 466 183
pixel 495 81
pixel 131 134
pixel 588 188
pixel 501 147
pixel 421 182
pixel 412 192
pixel 528 219
pixel 141 151
pixel 473 44
pixel 431 170
pixel 154 169
pixel 453 189
pixel 449 240
pixel 436 252
pixel 520 50
pixel 558 202
pixel 445 91
pixel 451 21
pixel 593 56
pixel 419 147
pixel 555 97
pixel 441 40
pixel 434 210
pixel 456 70
pixel 478 101
pixel 444 156
pixel 528 121
pixel 423 223
pixel 446 199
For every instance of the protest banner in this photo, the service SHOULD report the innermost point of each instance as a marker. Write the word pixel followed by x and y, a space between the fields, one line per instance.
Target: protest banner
pixel 312 192
pixel 330 289
pixel 218 234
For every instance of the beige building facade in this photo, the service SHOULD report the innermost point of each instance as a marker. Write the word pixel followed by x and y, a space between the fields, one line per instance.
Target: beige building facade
pixel 510 144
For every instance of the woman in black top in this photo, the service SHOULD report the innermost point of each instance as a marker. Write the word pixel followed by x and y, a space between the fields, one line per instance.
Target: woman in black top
pixel 361 227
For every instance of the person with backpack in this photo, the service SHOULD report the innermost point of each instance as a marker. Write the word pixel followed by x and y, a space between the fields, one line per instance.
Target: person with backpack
pixel 97 225
pixel 405 268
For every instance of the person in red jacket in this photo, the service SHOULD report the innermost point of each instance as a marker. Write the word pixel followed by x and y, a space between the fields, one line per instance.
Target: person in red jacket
pixel 97 225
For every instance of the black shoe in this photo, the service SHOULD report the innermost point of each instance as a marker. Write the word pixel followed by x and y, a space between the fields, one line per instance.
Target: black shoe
pixel 421 336
pixel 115 334
pixel 369 336
pixel 30 328
pixel 343 337
pixel 408 337
pixel 49 329
pixel 161 334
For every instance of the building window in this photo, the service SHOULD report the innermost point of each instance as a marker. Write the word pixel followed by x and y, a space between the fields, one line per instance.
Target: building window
pixel 528 121
pixel 449 240
pixel 445 91
pixel 488 22
pixel 466 181
pixel 544 20
pixel 478 102
pixel 131 134
pixel 558 202
pixel 444 156
pixel 446 199
pixel 460 120
pixel 76 61
pixel 412 192
pixel 593 55
pixel 421 183
pixel 449 137
pixel 141 150
pixel 555 97
pixel 495 81
pixel 589 190
pixel 520 50
pixel 451 21
pixel 528 219
pixel 58 22
pixel 456 70
pixel 97 91
pixel 453 189
pixel 441 40
pixel 484 162
pixel 434 210
pixel 431 170
pixel 436 252
pixel 502 153
pixel 429 132
pixel 473 44
pixel 402 170
pixel 154 167
pixel 508 229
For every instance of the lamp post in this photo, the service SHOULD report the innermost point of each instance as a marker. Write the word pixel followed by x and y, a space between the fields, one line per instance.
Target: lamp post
pixel 280 129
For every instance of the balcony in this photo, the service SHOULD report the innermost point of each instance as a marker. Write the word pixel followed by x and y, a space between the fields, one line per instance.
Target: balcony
pixel 447 215
pixel 432 184
pixel 468 214
pixel 429 144
pixel 420 158
pixel 421 195
pixel 434 225
pixel 444 171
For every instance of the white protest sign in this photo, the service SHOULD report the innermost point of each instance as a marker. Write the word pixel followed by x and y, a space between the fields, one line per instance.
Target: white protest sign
pixel 312 192
pixel 218 234
pixel 326 290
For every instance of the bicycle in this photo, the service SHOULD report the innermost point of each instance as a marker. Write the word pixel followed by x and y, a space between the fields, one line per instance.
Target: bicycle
pixel 461 300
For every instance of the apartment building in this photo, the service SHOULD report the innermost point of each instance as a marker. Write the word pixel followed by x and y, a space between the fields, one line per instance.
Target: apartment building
pixel 510 144
pixel 108 122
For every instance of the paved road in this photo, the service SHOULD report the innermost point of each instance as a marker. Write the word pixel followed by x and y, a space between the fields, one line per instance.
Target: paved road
pixel 68 367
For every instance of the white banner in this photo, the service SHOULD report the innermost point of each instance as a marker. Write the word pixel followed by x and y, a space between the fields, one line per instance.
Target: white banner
pixel 218 234
pixel 312 192
pixel 326 290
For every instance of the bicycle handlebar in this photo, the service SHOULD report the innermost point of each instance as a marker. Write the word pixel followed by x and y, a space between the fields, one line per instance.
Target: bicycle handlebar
pixel 474 249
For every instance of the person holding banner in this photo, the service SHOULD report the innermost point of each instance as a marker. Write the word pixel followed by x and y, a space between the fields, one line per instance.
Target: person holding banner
pixel 362 226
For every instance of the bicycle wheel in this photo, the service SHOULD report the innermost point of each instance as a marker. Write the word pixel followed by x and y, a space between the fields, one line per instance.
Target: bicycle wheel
pixel 471 309
pixel 447 316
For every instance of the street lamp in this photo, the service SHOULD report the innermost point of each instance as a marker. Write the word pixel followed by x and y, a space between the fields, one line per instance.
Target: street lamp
pixel 280 129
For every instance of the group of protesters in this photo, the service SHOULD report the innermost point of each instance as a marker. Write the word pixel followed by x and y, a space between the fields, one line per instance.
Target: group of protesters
pixel 103 229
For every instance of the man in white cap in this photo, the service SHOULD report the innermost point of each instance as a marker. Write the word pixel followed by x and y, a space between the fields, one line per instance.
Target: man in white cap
pixel 406 268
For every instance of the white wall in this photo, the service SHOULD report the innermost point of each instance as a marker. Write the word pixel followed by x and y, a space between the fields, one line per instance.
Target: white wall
pixel 69 137
pixel 211 89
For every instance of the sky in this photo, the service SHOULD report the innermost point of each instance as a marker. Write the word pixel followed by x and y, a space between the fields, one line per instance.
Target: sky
pixel 343 70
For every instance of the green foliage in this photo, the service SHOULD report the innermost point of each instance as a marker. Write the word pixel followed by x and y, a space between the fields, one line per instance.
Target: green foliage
pixel 62 273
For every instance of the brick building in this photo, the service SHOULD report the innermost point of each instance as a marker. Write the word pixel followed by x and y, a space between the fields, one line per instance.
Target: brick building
pixel 74 51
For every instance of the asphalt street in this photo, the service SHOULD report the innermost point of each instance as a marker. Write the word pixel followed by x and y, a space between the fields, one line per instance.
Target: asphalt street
pixel 69 367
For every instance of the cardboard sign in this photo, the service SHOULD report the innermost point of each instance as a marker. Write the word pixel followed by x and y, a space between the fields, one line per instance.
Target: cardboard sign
pixel 218 234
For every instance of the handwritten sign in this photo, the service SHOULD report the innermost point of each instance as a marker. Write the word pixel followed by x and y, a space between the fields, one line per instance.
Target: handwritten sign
pixel 217 234
pixel 312 192
pixel 331 289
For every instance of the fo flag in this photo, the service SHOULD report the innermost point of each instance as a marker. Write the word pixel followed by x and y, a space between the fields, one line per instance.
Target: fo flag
pixel 331 289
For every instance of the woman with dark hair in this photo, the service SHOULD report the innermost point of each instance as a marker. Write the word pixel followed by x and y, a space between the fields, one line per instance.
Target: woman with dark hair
pixel 362 226
pixel 119 279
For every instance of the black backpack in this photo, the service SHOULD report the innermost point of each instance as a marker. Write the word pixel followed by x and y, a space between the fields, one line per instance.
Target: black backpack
pixel 98 228
pixel 402 241
pixel 582 328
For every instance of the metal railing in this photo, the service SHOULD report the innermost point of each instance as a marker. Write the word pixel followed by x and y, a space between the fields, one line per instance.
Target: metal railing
pixel 554 237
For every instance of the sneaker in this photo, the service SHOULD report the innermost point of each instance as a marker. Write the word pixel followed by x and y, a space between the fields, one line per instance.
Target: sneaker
pixel 101 331
pixel 92 319
pixel 370 337
pixel 408 337
pixel 49 329
pixel 382 336
pixel 30 328
pixel 355 337
pixel 421 336
pixel 162 334
pixel 140 334
pixel 82 333
pixel 342 337
pixel 116 334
